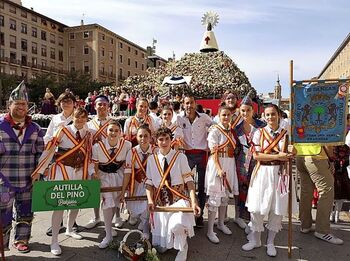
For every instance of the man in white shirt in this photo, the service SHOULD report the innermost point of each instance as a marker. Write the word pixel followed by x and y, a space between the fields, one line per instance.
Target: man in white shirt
pixel 153 107
pixel 195 127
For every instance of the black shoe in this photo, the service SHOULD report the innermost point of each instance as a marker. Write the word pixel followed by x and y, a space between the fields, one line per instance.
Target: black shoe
pixel 75 227
pixel 49 230
pixel 199 222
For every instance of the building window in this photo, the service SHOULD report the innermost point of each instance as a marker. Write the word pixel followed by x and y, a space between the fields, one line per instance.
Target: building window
pixel 129 49
pixel 43 35
pixel 86 67
pixel 12 9
pixel 102 52
pixel 34 32
pixel 34 18
pixel 86 34
pixel 86 49
pixel 72 51
pixel 121 45
pixel 60 55
pixel 111 55
pixel 24 46
pixel 121 58
pixel 34 48
pixel 120 73
pixel 136 52
pixel 143 55
pixel 2 5
pixel 135 64
pixel 43 63
pixel 60 41
pixel 142 67
pixel 24 60
pixel 111 70
pixel 34 61
pixel 2 39
pixel 13 57
pixel 112 41
pixel 43 50
pixel 13 24
pixel 2 53
pixel 24 14
pixel 128 73
pixel 103 37
pixel 13 71
pixel 2 21
pixel 72 66
pixel 13 43
pixel 128 61
pixel 102 68
pixel 71 36
pixel 52 38
pixel 43 21
pixel 24 28
pixel 52 53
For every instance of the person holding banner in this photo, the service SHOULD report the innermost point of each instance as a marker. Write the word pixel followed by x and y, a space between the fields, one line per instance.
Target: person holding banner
pixel 109 156
pixel 135 177
pixel 99 123
pixel 268 190
pixel 133 122
pixel 67 102
pixel 316 171
pixel 21 144
pixel 220 177
pixel 71 148
pixel 168 173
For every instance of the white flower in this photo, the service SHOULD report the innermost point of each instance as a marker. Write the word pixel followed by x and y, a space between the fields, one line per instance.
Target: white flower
pixel 154 251
pixel 139 251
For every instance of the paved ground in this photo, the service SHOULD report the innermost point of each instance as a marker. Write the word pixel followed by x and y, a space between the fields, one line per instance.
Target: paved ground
pixel 305 247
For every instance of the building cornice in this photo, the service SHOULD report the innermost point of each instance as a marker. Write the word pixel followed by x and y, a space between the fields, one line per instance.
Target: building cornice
pixel 35 13
pixel 335 55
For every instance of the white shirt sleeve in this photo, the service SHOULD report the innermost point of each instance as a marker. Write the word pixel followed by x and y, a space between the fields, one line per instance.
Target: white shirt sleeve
pixel 213 138
pixel 149 171
pixel 185 168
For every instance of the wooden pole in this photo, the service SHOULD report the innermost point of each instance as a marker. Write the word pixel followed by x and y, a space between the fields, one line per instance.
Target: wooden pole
pixel 173 209
pixel 2 250
pixel 290 179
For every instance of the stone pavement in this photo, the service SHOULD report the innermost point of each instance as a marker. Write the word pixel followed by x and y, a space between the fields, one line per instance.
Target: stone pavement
pixel 305 246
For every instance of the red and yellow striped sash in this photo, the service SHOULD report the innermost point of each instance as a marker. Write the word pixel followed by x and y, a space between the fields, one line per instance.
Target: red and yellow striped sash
pixel 104 149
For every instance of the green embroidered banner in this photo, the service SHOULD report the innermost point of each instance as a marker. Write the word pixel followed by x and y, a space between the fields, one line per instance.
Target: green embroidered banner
pixel 61 195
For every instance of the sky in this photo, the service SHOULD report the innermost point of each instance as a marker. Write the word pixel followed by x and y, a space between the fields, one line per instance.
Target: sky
pixel 260 36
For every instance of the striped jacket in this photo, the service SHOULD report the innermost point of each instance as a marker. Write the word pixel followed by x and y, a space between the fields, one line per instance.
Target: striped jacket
pixel 18 161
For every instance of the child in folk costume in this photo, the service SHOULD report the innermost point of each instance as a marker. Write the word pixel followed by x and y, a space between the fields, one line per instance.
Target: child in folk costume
pixel 109 156
pixel 220 178
pixel 71 147
pixel 178 136
pixel 135 177
pixel 167 174
pixel 245 162
pixel 99 123
pixel 141 117
pixel 268 191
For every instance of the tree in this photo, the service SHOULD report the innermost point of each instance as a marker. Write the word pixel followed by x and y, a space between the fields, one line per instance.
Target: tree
pixel 7 84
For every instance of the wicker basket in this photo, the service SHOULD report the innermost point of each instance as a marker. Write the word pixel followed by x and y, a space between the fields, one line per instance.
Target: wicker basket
pixel 128 250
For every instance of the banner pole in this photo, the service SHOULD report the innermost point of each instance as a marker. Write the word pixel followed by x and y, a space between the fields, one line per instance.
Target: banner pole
pixel 290 173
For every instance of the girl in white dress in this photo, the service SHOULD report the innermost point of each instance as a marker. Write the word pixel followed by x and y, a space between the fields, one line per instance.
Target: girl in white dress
pixel 70 164
pixel 109 156
pixel 178 136
pixel 220 177
pixel 135 177
pixel 268 191
pixel 167 174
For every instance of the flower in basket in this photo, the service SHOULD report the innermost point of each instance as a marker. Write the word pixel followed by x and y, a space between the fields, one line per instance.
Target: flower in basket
pixel 152 255
pixel 139 251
